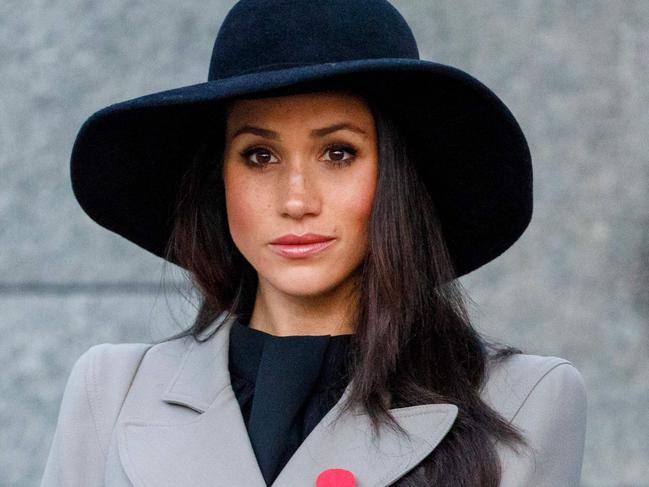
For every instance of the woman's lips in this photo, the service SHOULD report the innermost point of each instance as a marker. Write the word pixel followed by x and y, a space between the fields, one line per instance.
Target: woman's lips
pixel 295 251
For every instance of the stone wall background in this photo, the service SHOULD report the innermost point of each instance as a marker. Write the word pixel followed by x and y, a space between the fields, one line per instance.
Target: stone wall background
pixel 576 285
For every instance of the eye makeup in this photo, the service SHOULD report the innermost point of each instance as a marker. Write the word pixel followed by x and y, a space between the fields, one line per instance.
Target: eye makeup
pixel 333 147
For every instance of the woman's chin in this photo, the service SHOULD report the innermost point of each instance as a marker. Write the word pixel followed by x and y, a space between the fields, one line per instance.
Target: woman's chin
pixel 305 284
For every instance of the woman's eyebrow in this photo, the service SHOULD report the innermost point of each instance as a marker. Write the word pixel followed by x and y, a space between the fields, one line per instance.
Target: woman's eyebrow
pixel 321 132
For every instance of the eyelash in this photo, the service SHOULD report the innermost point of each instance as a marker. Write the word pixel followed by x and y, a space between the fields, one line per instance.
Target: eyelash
pixel 338 147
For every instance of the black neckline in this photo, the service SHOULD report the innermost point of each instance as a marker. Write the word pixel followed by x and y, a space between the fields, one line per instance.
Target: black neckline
pixel 266 335
pixel 247 350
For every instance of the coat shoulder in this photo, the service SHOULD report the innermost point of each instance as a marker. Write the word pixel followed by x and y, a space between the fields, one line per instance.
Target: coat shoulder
pixel 111 368
pixel 510 381
pixel 93 395
pixel 114 364
pixel 544 398
pixel 109 372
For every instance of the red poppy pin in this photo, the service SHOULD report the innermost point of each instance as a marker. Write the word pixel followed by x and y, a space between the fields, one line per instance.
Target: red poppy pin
pixel 335 477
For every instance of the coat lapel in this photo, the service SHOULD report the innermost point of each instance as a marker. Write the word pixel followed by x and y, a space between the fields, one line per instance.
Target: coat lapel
pixel 347 444
pixel 213 448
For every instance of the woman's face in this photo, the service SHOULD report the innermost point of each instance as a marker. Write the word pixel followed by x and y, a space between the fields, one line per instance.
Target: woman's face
pixel 297 164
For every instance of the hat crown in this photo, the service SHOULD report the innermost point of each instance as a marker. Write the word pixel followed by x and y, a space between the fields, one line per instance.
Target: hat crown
pixel 262 35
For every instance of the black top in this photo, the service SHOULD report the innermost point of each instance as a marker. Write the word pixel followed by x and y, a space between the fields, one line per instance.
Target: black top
pixel 284 386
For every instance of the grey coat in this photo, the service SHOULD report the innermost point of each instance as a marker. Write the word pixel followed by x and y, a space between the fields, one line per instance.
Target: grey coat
pixel 180 424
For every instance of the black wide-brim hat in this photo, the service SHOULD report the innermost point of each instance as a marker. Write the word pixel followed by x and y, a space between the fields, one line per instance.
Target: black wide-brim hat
pixel 128 158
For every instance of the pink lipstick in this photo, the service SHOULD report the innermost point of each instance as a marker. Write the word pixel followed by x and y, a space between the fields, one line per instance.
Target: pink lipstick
pixel 295 246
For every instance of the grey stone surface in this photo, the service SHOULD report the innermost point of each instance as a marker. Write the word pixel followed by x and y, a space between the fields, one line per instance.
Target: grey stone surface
pixel 576 285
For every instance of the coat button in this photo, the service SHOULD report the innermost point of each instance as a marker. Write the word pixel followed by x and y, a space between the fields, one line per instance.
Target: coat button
pixel 335 477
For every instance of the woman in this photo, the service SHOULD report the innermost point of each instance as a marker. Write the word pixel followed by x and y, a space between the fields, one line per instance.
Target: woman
pixel 323 191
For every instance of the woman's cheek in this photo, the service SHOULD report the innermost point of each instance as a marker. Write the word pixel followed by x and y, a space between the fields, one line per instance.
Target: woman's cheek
pixel 244 208
pixel 357 199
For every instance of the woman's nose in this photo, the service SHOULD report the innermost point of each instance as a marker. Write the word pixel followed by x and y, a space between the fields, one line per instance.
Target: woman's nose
pixel 300 195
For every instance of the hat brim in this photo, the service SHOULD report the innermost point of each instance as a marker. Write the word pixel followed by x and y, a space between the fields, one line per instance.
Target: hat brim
pixel 128 158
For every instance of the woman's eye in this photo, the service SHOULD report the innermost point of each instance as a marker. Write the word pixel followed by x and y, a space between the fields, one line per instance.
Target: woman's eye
pixel 336 155
pixel 337 152
pixel 263 159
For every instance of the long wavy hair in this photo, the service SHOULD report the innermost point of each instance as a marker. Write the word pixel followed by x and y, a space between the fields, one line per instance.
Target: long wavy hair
pixel 413 341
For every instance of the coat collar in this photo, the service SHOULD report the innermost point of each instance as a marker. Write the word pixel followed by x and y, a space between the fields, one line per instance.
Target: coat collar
pixel 213 448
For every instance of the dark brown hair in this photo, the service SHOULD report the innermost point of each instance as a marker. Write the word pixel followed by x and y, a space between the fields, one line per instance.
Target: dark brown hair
pixel 413 340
